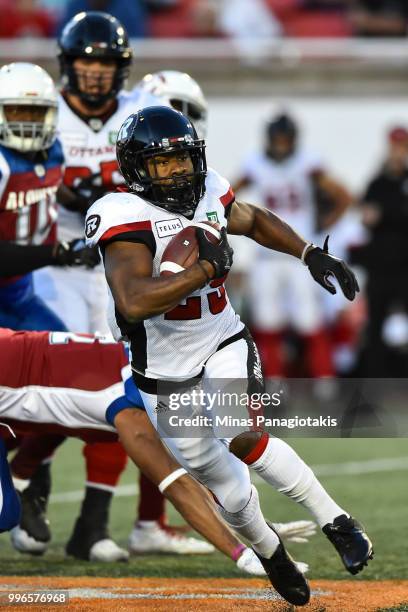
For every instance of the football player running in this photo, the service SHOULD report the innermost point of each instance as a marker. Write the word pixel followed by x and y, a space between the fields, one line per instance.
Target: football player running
pixel 181 327
pixel 180 91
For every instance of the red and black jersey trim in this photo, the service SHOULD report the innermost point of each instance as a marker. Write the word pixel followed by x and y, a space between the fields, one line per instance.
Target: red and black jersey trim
pixel 227 201
pixel 139 231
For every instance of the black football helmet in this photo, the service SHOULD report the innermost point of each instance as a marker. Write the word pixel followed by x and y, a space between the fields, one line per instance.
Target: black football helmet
pixel 281 128
pixel 159 130
pixel 98 35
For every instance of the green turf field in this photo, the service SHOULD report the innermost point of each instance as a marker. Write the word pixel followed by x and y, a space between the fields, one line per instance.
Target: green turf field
pixel 378 497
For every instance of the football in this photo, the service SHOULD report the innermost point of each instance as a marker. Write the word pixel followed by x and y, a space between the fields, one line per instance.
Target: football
pixel 182 250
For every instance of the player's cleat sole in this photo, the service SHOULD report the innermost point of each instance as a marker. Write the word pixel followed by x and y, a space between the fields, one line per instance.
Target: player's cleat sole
pixel 24 543
pixel 285 576
pixel 156 539
pixel 351 542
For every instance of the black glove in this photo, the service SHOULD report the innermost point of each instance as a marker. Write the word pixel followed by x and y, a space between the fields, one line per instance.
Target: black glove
pixel 75 253
pixel 322 265
pixel 88 190
pixel 219 255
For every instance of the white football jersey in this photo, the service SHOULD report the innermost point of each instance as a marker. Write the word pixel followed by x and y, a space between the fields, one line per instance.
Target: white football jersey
pixel 176 344
pixel 89 152
pixel 286 188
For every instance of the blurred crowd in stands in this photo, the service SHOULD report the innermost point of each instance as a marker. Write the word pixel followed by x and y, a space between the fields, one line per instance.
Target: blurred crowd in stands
pixel 215 18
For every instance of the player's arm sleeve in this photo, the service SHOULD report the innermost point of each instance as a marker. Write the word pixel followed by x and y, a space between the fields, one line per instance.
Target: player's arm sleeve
pixel 18 259
pixel 102 227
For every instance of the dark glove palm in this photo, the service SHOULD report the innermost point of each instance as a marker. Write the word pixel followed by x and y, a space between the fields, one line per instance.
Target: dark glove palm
pixel 219 255
pixel 322 265
pixel 75 253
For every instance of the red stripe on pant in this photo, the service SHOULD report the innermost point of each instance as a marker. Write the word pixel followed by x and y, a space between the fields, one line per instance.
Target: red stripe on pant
pixel 258 450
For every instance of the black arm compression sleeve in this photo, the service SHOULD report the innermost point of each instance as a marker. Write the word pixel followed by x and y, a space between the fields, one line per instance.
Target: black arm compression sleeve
pixel 18 259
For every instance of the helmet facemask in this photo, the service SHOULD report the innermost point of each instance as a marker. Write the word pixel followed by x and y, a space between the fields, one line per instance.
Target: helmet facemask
pixel 178 193
pixel 95 36
pixel 25 133
pixel 28 108
pixel 76 80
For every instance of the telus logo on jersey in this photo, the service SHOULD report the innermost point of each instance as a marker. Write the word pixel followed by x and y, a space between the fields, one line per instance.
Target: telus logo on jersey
pixel 20 199
pixel 168 227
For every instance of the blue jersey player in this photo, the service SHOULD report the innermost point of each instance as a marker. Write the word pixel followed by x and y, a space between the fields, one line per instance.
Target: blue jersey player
pixel 31 169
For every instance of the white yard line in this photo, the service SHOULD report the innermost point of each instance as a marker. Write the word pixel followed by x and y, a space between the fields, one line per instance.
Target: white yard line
pixel 350 468
pixel 73 496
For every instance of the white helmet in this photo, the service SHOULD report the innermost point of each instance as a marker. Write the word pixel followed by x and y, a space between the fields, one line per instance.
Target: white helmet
pixel 23 84
pixel 181 92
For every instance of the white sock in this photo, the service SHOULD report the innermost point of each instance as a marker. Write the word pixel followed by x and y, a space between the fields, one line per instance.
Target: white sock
pixel 281 467
pixel 146 524
pixel 20 484
pixel 250 524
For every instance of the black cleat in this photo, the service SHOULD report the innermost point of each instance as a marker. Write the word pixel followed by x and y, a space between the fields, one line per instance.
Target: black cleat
pixel 33 533
pixel 285 577
pixel 83 537
pixel 33 516
pixel 90 543
pixel 90 539
pixel 351 542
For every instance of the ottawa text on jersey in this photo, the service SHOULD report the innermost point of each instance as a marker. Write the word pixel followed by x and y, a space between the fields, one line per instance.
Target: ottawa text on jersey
pixel 257 421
